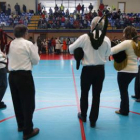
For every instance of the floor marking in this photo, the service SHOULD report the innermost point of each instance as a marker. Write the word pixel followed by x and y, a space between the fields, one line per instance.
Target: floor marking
pixel 51 107
pixel 78 105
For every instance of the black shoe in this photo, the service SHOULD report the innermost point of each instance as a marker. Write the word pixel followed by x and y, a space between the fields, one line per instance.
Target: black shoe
pixel 2 105
pixel 92 124
pixel 81 117
pixel 133 96
pixel 34 133
pixel 138 100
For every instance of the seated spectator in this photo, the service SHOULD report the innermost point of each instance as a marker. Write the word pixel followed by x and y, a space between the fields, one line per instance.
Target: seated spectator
pixel 85 25
pixel 67 23
pixel 95 13
pixel 117 24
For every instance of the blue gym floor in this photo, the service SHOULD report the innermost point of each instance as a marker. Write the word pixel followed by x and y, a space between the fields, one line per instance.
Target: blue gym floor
pixel 57 85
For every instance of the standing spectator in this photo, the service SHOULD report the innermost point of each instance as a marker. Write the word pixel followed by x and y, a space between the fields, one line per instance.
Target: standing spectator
pixel 9 10
pixel 90 7
pixel 21 80
pixel 86 11
pixel 58 46
pixel 39 8
pixel 95 13
pixel 50 11
pixel 64 46
pixel 62 8
pixel 56 8
pixel 4 8
pixel 17 9
pixel 44 46
pixel 3 79
pixel 67 12
pixel 82 8
pixel 68 43
pixel 39 44
pixel 31 39
pixel 53 43
pixel 24 8
pixel 93 72
pixel 78 8
pixel 49 46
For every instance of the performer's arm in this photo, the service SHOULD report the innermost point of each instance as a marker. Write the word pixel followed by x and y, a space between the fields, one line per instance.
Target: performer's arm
pixel 34 54
pixel 78 43
pixel 108 52
pixel 120 47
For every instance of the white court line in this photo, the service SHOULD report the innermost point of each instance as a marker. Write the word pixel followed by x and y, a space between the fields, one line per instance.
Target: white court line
pixel 65 77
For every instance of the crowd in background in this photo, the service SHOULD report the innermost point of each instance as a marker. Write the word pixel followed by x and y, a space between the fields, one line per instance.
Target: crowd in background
pixel 61 17
pixel 81 17
pixel 18 16
pixel 53 45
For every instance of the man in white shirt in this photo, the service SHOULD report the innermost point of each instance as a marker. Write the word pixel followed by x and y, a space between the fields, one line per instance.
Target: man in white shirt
pixel 93 70
pixel 23 54
pixel 3 78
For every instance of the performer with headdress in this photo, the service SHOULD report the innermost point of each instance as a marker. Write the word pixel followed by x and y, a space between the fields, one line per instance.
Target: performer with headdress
pixel 96 50
pixel 22 55
pixel 128 68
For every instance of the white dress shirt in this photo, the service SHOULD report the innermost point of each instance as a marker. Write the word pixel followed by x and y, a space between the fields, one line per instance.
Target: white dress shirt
pixel 3 60
pixel 22 55
pixel 132 66
pixel 92 56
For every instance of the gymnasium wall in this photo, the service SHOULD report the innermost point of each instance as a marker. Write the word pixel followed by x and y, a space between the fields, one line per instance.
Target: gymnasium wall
pixel 131 5
pixel 49 35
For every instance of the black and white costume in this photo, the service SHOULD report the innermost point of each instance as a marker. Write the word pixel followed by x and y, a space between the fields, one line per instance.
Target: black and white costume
pixel 92 73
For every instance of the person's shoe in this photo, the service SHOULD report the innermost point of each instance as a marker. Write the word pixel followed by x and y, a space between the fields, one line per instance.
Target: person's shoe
pixel 133 96
pixel 138 100
pixel 20 129
pixel 81 117
pixel 92 124
pixel 34 133
pixel 2 105
pixel 118 112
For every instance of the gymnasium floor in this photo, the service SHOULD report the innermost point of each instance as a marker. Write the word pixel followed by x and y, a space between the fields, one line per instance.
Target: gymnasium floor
pixel 57 104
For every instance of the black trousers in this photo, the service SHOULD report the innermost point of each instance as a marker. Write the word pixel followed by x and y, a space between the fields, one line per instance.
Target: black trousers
pixel 91 75
pixel 3 82
pixel 124 80
pixel 23 96
pixel 137 85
